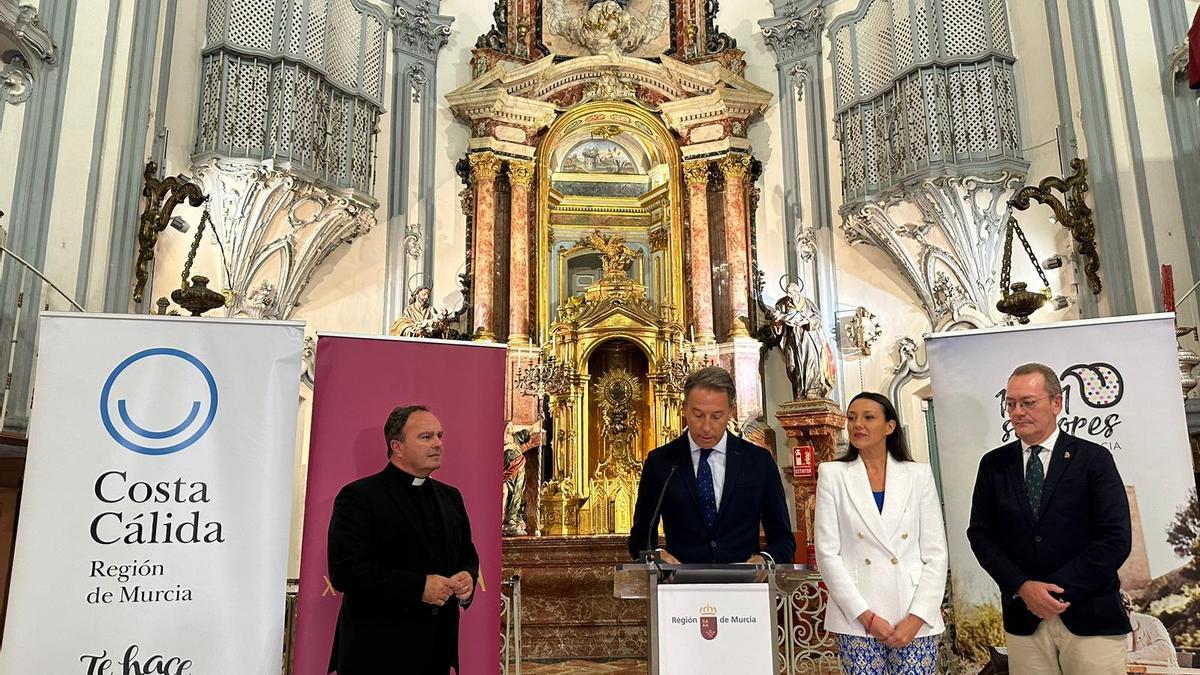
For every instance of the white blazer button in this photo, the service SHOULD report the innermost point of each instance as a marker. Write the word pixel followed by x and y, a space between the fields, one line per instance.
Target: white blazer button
pixel 860 535
pixel 904 536
pixel 868 561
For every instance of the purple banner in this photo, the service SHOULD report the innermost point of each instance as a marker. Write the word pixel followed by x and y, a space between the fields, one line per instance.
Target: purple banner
pixel 359 380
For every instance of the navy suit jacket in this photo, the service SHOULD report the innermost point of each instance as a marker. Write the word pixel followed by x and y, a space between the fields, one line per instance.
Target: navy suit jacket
pixel 1079 540
pixel 752 493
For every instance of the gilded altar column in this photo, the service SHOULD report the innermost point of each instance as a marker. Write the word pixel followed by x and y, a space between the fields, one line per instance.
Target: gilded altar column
pixel 735 167
pixel 696 174
pixel 485 166
pixel 520 177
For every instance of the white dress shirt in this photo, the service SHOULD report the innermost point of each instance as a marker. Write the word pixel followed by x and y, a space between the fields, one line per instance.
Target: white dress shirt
pixel 716 462
pixel 1047 447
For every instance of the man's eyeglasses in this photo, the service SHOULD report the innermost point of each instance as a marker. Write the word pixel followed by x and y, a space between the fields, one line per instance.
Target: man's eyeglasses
pixel 1024 404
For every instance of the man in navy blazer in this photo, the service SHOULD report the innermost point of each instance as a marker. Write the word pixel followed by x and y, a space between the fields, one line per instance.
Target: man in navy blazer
pixel 1050 524
pixel 715 487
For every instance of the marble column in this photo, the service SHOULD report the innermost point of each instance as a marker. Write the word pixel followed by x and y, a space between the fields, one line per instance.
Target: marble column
pixel 520 177
pixel 812 426
pixel 737 227
pixel 485 166
pixel 696 174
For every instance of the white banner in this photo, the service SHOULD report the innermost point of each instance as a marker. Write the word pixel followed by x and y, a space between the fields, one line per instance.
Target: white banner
pixel 156 506
pixel 715 628
pixel 1121 389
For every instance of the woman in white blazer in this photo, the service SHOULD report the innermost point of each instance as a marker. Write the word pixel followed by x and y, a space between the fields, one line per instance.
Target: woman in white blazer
pixel 881 548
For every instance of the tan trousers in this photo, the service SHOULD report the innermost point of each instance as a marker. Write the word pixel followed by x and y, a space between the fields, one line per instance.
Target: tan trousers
pixel 1054 650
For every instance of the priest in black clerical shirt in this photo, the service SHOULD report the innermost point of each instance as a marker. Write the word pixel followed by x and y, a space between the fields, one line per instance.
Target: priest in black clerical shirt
pixel 400 552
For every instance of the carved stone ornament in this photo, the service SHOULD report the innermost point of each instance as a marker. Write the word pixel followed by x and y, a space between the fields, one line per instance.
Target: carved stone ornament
pixel 908 368
pixel 419 30
pixel 15 78
pixel 806 244
pixel 417 80
pixel 412 240
pixel 794 34
pixel 715 41
pixel 274 229
pixel 688 97
pixel 25 47
pixel 950 257
pixel 497 38
pixel 609 87
pixel 607 27
pixel 799 75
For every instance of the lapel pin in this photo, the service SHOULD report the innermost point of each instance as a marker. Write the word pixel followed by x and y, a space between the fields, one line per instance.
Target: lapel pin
pixel 1066 455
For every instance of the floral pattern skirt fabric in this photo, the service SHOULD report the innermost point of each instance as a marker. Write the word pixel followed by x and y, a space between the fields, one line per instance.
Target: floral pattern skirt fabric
pixel 868 656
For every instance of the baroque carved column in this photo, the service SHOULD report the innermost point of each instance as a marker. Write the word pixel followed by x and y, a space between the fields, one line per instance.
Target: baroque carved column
pixel 485 166
pixel 696 174
pixel 735 167
pixel 520 177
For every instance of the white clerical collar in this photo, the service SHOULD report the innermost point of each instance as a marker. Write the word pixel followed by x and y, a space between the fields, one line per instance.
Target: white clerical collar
pixel 418 481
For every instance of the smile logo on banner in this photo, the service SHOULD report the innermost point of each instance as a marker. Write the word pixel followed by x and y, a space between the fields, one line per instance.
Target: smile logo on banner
pixel 708 622
pixel 158 401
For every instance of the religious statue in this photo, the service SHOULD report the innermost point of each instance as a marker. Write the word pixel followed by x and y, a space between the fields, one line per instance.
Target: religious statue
pixel 515 439
pixel 796 326
pixel 420 319
pixel 615 256
pixel 607 27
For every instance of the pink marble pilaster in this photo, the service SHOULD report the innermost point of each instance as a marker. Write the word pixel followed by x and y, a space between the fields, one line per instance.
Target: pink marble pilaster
pixel 520 177
pixel 737 226
pixel 696 175
pixel 485 166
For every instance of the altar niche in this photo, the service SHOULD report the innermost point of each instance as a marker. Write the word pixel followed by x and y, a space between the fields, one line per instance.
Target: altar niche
pixel 619 417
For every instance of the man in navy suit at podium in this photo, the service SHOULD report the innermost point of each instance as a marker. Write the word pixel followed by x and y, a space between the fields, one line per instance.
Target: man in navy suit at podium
pixel 715 488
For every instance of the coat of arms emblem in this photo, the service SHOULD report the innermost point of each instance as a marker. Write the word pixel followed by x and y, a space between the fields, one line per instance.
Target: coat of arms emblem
pixel 708 622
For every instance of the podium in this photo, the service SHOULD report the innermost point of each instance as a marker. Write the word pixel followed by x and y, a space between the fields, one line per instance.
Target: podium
pixel 707 618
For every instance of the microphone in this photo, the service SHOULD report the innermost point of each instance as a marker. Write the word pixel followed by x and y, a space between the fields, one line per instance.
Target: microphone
pixel 649 554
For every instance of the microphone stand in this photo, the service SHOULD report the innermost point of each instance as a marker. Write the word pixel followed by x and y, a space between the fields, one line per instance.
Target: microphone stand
pixel 650 555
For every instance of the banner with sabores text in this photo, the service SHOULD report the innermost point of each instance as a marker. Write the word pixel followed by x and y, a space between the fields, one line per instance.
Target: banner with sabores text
pixel 155 511
pixel 1120 389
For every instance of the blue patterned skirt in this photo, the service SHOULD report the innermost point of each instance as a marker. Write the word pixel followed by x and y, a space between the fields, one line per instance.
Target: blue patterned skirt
pixel 868 656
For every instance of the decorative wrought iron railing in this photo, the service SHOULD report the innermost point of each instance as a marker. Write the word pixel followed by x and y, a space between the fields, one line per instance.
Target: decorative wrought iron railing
pixel 804 645
pixel 289 625
pixel 510 620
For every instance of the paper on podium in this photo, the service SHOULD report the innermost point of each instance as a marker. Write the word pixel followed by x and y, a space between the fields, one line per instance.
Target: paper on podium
pixel 715 628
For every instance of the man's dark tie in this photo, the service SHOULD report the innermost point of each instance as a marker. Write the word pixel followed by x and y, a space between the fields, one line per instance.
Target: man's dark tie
pixel 1035 479
pixel 708 496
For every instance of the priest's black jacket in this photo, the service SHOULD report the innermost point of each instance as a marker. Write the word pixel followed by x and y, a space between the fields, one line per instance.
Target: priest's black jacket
pixel 385 536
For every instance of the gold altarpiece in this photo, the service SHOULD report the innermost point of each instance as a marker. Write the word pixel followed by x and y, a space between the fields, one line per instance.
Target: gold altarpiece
pixel 609 196
pixel 606 422
pixel 603 157
pixel 618 336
